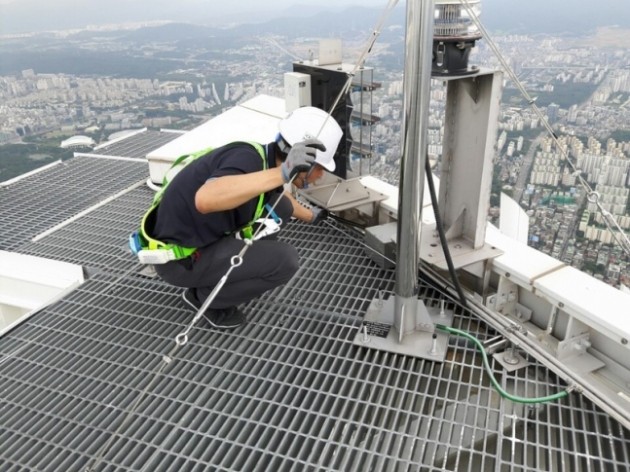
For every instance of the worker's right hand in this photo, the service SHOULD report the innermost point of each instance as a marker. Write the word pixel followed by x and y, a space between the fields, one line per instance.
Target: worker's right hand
pixel 300 158
pixel 319 215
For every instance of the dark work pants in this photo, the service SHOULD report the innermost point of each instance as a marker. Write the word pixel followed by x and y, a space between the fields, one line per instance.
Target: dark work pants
pixel 267 263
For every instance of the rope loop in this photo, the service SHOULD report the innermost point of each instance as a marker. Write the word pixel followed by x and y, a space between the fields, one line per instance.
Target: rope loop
pixel 592 196
pixel 181 339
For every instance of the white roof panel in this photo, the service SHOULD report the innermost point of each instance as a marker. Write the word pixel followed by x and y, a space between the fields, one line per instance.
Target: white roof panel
pixel 267 105
pixel 593 302
pixel 255 120
pixel 523 263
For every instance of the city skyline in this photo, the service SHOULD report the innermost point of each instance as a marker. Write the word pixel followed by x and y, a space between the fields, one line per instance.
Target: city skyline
pixel 101 82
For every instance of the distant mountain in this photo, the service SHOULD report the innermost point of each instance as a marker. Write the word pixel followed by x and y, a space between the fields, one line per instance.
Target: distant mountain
pixel 171 32
pixel 306 17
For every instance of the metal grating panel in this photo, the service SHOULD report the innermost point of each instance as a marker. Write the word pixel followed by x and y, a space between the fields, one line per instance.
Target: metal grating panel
pixel 138 145
pixel 287 391
pixel 38 202
pixel 93 240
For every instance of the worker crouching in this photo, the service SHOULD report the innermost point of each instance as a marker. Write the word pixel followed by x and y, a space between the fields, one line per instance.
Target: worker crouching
pixel 217 200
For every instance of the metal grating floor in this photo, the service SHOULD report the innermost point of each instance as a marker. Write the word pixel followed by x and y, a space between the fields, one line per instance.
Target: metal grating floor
pixel 287 391
pixel 138 145
pixel 38 202
pixel 93 241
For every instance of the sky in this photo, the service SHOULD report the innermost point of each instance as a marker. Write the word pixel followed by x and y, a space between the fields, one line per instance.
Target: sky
pixel 33 15
pixel 44 15
pixel 17 16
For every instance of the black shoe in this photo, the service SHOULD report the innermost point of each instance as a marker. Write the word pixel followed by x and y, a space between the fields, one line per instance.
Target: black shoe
pixel 225 318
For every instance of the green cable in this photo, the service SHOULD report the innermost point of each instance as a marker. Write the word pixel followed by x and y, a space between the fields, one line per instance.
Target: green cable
pixel 496 385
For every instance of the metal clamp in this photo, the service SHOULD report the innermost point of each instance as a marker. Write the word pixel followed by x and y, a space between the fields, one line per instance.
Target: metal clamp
pixel 271 226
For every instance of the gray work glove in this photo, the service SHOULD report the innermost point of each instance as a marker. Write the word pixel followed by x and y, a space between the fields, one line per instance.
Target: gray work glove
pixel 319 215
pixel 300 158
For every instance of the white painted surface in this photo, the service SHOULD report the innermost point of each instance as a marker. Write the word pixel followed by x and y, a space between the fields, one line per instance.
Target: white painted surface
pixel 523 263
pixel 591 301
pixel 29 283
pixel 514 221
pixel 255 120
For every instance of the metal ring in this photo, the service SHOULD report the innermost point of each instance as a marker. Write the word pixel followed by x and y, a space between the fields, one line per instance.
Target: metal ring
pixel 236 261
pixel 181 339
pixel 595 196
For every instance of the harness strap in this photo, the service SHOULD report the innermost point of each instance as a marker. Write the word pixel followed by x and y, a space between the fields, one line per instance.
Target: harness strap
pixel 248 230
pixel 175 251
pixel 179 252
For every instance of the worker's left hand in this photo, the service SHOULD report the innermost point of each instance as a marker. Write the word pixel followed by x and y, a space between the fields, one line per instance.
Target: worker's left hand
pixel 319 214
pixel 300 158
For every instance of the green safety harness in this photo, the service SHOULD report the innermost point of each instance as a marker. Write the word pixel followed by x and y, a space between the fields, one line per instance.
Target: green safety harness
pixel 151 251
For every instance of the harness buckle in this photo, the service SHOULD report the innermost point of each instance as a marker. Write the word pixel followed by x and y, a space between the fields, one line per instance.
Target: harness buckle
pixel 156 256
pixel 270 227
pixel 134 243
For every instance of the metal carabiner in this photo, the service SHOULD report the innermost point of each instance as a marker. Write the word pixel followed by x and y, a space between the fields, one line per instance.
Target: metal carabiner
pixel 271 226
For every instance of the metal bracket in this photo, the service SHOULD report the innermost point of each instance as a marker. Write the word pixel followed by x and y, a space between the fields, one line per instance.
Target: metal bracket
pixel 572 351
pixel 505 300
pixel 573 346
pixel 462 252
pixel 511 360
pixel 457 228
pixel 384 329
pixel 341 194
pixel 523 314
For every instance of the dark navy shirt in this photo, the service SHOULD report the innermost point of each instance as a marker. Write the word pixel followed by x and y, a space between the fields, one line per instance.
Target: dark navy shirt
pixel 177 219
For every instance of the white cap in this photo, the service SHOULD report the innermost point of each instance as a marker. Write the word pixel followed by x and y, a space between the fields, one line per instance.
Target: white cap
pixel 306 123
